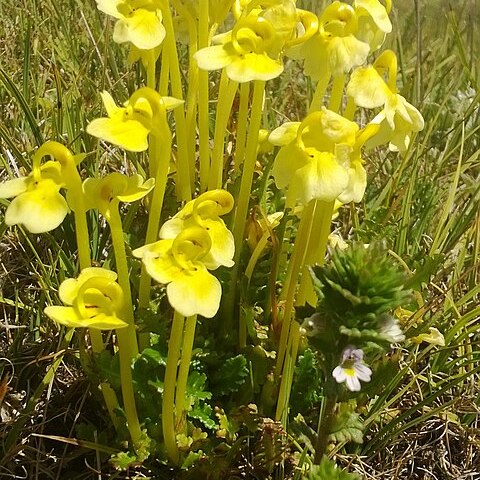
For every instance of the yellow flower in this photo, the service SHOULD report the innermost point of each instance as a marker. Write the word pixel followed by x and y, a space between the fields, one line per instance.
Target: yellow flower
pixel 100 193
pixel 37 203
pixel 398 119
pixel 434 337
pixel 316 163
pixel 335 48
pixel 94 299
pixel 138 21
pixel 178 262
pixel 129 126
pixel 251 51
pixel 373 22
pixel 205 211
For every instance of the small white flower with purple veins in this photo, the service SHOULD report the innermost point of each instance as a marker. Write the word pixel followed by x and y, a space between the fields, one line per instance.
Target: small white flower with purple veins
pixel 352 369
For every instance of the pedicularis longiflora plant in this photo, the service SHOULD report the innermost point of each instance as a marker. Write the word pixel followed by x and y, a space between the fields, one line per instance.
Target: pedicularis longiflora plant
pixel 209 305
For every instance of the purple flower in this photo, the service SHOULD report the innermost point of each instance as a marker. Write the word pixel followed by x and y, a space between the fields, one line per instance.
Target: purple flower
pixel 352 369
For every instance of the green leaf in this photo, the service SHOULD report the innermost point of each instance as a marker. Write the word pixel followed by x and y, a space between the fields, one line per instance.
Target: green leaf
pixel 328 470
pixel 123 460
pixel 231 375
pixel 347 425
pixel 203 413
pixel 306 383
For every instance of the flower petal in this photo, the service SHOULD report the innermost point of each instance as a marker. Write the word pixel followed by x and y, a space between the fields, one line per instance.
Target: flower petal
pixel 14 187
pixel 195 293
pixel 40 210
pixel 130 135
pixel 144 29
pixel 253 66
pixel 214 57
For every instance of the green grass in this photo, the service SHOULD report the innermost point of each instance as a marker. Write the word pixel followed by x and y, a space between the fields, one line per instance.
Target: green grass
pixel 54 60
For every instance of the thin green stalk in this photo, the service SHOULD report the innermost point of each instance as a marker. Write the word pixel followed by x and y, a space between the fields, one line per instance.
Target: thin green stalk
pixel 184 187
pixel 203 97
pixel 228 89
pixel 192 84
pixel 336 95
pixel 168 404
pixel 182 378
pixel 324 427
pixel 242 125
pixel 240 216
pixel 316 248
pixel 161 152
pixel 127 337
pixel 295 265
pixel 249 167
pixel 151 70
pixel 164 75
pixel 350 109
pixel 320 89
pixel 287 375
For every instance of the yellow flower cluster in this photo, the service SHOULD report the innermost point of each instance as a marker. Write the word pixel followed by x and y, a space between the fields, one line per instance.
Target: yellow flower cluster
pixel 194 241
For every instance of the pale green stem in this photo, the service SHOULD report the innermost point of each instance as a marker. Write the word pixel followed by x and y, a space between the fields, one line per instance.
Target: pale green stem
pixel 203 97
pixel 182 378
pixel 127 337
pixel 249 167
pixel 226 96
pixel 336 95
pixel 296 262
pixel 320 89
pixel 287 374
pixel 350 109
pixel 184 187
pixel 151 71
pixel 241 210
pixel 241 125
pixel 316 248
pixel 168 403
pixel 325 425
pixel 161 152
pixel 164 75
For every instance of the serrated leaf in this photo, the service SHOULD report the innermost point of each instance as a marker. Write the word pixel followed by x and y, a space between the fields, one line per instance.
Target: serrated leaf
pixel 328 470
pixel 347 425
pixel 195 386
pixel 203 413
pixel 123 460
pixel 306 383
pixel 231 375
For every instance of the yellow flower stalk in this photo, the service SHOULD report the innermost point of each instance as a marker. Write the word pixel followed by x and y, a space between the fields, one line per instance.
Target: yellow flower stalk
pixel 178 263
pixel 138 21
pixel 94 300
pixel 105 194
